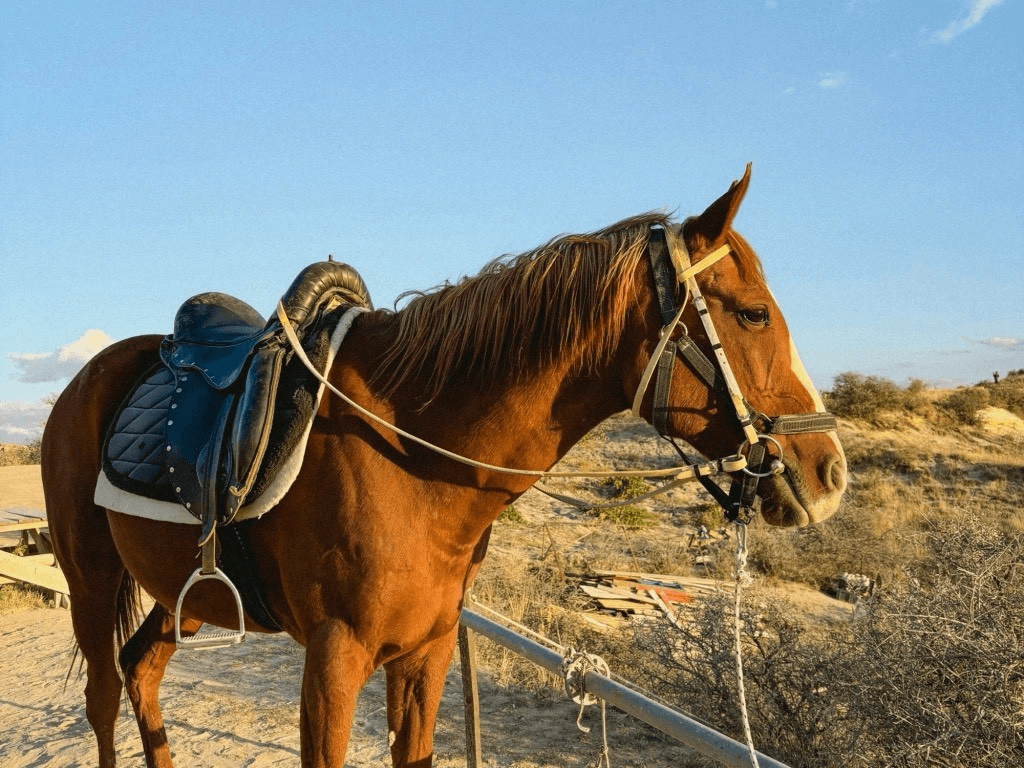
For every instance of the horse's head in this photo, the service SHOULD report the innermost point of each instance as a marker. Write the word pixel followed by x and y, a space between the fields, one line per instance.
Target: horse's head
pixel 706 399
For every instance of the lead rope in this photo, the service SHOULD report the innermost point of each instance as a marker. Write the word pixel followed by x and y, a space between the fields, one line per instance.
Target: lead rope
pixel 742 576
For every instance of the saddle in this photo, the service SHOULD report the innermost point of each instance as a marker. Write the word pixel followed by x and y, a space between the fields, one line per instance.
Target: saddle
pixel 211 422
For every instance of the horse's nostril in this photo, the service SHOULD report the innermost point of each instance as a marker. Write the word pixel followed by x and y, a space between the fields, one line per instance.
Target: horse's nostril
pixel 833 473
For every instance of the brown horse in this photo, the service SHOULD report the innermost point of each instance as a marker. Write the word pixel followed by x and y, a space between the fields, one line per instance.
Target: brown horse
pixel 367 558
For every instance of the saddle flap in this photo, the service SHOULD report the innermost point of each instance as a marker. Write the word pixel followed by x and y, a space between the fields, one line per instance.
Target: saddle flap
pixel 219 364
pixel 251 427
pixel 197 416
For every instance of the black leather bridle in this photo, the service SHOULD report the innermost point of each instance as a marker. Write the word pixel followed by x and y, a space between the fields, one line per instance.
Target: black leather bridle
pixel 674 276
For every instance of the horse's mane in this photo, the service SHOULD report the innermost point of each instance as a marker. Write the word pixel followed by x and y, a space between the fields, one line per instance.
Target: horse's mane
pixel 520 312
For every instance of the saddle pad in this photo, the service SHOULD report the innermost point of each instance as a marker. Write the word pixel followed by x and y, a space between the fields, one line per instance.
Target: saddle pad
pixel 134 479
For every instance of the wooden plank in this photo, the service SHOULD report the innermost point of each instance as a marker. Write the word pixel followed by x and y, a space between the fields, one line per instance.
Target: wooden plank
pixel 601 593
pixel 627 606
pixel 674 593
pixel 8 514
pixel 36 569
pixel 668 611
pixel 23 525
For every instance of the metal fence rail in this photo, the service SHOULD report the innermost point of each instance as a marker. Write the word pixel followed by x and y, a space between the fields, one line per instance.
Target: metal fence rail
pixel 697 736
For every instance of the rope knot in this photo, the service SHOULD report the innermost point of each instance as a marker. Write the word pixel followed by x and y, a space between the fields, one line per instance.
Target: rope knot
pixel 575 666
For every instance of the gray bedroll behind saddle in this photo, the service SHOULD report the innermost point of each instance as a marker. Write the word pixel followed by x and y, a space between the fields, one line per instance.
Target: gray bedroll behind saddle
pixel 227 363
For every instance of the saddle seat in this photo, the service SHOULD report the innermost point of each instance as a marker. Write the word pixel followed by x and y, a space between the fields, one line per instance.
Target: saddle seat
pixel 199 426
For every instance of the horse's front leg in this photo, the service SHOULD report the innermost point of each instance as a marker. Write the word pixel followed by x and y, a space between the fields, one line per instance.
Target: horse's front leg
pixel 143 661
pixel 415 683
pixel 336 668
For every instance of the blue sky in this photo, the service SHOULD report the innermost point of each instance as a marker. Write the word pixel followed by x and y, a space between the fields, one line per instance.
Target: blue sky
pixel 151 151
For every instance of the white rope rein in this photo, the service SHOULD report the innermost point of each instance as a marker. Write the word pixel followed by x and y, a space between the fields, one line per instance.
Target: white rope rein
pixel 679 473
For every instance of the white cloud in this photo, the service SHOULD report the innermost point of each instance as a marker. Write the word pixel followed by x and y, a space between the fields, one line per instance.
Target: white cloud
pixel 978 9
pixel 1004 343
pixel 20 421
pixel 63 363
pixel 832 80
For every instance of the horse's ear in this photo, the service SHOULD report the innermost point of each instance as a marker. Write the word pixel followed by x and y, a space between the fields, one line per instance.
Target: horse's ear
pixel 710 228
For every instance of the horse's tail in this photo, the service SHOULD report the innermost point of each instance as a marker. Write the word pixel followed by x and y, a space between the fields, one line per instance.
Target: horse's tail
pixel 129 610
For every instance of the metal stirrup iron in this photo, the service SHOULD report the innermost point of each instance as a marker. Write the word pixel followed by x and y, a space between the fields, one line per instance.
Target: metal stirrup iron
pixel 217 638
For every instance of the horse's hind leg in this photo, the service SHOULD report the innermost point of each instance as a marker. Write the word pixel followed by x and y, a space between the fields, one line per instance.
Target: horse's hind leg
pixel 143 661
pixel 95 583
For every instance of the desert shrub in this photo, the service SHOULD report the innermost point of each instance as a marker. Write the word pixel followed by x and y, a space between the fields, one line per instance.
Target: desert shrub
pixel 857 396
pixel 12 454
pixel 965 403
pixel 959 701
pixel 931 673
pixel 627 487
pixel 19 597
pixel 1008 394
pixel 512 515
pixel 628 516
pixel 795 714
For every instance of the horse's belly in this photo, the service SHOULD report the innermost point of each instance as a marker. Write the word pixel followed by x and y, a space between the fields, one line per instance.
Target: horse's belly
pixel 161 556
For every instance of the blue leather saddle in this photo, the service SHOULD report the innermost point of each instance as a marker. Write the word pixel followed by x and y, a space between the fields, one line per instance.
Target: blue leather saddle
pixel 211 422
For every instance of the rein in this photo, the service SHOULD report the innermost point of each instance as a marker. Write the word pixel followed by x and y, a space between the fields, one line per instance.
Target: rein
pixel 679 474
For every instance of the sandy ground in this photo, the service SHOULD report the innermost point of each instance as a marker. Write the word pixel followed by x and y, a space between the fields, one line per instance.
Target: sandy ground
pixel 239 707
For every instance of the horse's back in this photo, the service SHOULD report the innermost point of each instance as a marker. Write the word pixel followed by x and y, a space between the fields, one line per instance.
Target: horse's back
pixel 73 437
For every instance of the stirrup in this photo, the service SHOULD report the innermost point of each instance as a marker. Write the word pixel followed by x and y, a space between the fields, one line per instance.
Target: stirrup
pixel 218 638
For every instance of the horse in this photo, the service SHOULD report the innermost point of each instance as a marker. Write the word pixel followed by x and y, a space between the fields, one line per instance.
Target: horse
pixel 367 558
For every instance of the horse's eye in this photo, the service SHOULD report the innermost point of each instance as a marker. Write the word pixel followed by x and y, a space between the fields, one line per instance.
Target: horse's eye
pixel 757 316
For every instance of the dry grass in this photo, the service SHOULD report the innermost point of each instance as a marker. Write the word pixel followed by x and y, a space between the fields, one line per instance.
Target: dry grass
pixel 17 597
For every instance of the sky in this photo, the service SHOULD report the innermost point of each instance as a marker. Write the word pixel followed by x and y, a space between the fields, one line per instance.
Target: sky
pixel 150 151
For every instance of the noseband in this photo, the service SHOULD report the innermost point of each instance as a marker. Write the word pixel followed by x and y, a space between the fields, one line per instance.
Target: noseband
pixel 672 268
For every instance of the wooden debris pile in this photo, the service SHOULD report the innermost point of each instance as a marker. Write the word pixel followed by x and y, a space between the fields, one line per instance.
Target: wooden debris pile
pixel 618 595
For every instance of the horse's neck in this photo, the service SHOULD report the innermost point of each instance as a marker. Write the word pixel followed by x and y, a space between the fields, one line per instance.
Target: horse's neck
pixel 528 423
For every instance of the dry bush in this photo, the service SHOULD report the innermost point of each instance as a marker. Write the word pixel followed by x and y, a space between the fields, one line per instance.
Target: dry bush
pixel 18 597
pixel 14 454
pixel 940 670
pixel 795 713
pixel 964 404
pixel 856 396
pixel 1008 393
pixel 932 673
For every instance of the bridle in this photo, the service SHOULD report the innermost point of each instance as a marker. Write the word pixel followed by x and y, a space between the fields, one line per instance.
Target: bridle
pixel 673 270
pixel 671 266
